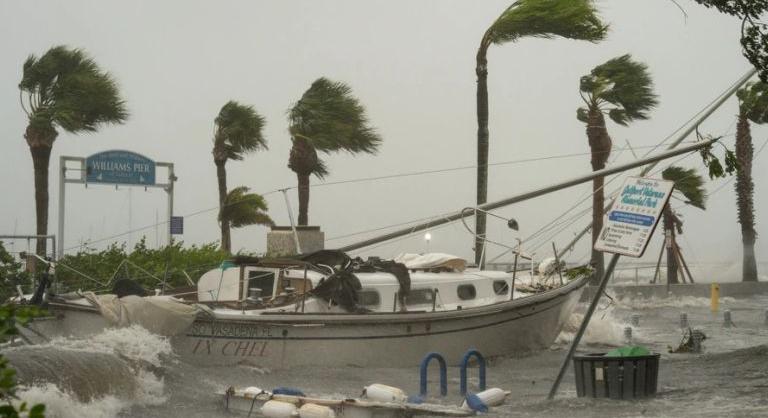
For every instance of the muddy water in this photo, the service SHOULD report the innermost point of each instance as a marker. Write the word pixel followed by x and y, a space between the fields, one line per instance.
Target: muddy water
pixel 729 379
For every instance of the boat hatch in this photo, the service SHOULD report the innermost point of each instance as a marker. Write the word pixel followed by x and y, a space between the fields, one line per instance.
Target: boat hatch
pixel 263 279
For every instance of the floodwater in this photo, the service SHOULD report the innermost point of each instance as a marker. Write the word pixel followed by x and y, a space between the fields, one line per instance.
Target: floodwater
pixel 131 373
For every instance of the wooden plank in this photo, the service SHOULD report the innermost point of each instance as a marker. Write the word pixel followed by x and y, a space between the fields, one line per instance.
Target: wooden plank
pixel 640 370
pixel 600 386
pixel 589 381
pixel 578 371
pixel 614 387
pixel 628 380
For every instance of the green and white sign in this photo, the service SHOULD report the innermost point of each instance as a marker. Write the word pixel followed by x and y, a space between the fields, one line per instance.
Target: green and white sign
pixel 629 223
pixel 120 167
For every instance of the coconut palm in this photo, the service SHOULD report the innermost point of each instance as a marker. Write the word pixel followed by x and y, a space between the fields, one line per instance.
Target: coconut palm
pixel 237 132
pixel 63 89
pixel 622 89
pixel 328 119
pixel 572 19
pixel 243 209
pixel 689 187
pixel 753 106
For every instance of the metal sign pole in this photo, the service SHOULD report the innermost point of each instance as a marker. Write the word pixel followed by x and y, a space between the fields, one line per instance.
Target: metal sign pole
pixel 62 177
pixel 587 316
pixel 169 190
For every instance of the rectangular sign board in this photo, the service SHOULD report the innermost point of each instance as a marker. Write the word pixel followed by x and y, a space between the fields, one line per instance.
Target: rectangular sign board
pixel 631 220
pixel 120 167
pixel 177 225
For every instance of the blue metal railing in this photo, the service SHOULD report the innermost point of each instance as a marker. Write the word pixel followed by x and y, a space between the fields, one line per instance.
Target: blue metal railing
pixel 443 374
pixel 463 370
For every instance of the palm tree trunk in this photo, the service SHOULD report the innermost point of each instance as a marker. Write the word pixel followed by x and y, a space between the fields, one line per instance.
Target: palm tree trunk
pixel 744 193
pixel 669 230
pixel 303 199
pixel 41 156
pixel 481 70
pixel 221 174
pixel 600 148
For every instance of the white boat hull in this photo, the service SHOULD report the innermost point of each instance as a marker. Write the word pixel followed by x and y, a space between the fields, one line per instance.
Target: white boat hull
pixel 377 340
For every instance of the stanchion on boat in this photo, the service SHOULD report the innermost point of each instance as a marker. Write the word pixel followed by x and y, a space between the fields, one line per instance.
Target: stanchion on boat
pixel 463 370
pixel 423 374
pixel 683 320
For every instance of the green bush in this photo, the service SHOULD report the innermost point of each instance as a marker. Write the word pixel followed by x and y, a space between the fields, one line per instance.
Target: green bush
pixel 174 264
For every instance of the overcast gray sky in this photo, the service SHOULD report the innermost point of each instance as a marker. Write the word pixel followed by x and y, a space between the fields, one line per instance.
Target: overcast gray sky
pixel 411 63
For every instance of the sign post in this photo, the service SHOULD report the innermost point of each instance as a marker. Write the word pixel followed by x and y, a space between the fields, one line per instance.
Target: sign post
pixel 631 221
pixel 117 167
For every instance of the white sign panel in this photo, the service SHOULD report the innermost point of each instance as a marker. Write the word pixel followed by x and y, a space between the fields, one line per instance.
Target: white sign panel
pixel 629 223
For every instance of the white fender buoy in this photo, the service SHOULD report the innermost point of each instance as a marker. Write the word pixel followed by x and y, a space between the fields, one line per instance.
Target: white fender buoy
pixel 383 393
pixel 490 397
pixel 312 410
pixel 252 391
pixel 278 409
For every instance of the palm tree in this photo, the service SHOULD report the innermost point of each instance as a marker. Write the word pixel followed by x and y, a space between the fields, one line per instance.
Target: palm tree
pixel 689 187
pixel 753 106
pixel 63 89
pixel 237 132
pixel 327 118
pixel 241 209
pixel 572 19
pixel 622 89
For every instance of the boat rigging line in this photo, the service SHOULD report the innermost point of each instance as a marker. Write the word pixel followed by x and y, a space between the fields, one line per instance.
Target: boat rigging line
pixel 534 193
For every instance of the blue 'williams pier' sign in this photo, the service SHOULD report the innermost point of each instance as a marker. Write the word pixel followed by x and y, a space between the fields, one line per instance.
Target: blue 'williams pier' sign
pixel 120 167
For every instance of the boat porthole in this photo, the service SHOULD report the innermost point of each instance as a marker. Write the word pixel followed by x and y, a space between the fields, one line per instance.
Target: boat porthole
pixel 285 333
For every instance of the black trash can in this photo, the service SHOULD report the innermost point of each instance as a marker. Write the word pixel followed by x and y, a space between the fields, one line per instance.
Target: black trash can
pixel 598 376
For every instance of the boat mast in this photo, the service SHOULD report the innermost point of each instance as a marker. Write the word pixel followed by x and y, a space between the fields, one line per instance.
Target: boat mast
pixel 460 214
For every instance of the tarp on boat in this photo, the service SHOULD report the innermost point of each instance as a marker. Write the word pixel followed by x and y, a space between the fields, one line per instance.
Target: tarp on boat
pixel 431 261
pixel 158 314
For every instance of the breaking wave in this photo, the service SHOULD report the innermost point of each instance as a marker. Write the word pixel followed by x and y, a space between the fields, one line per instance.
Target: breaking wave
pixel 604 329
pixel 93 377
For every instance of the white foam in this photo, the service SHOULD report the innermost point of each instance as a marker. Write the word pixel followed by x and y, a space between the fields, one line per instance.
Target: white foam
pixel 59 404
pixel 670 302
pixel 603 329
pixel 134 342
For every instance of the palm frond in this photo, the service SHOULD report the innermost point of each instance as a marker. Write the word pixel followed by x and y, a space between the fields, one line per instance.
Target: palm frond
pixel 332 119
pixel 753 102
pixel 625 85
pixel 572 19
pixel 238 131
pixel 242 209
pixel 66 88
pixel 688 183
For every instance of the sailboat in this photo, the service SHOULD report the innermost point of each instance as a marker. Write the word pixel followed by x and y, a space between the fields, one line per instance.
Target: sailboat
pixel 327 309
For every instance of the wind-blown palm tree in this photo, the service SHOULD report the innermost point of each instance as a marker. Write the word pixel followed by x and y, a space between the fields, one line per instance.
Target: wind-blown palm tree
pixel 572 19
pixel 243 209
pixel 622 89
pixel 328 119
pixel 753 106
pixel 689 187
pixel 63 89
pixel 237 132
